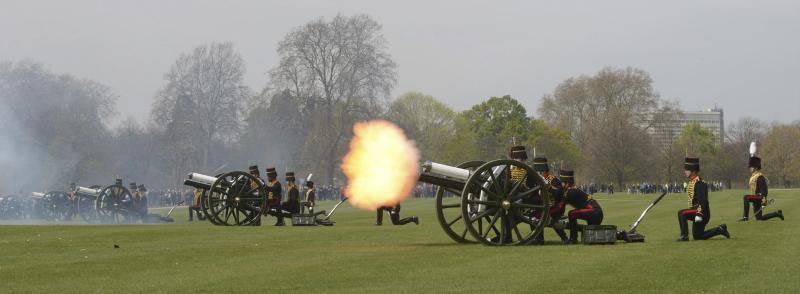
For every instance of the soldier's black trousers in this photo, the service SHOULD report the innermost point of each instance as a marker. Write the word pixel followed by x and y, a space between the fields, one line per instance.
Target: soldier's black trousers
pixel 698 228
pixel 395 217
pixel 756 200
pixel 195 209
pixel 592 214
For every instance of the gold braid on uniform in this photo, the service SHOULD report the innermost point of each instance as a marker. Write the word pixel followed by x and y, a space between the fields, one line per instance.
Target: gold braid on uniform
pixel 754 181
pixel 517 174
pixel 269 194
pixel 690 191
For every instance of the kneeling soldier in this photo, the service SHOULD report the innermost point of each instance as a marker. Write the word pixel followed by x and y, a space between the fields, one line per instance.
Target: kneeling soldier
pixel 699 212
pixel 586 208
pixel 394 215
pixel 758 193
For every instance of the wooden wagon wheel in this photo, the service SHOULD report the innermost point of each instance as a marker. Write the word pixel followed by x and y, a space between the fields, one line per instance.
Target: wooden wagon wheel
pixel 502 213
pixel 448 209
pixel 236 199
pixel 114 204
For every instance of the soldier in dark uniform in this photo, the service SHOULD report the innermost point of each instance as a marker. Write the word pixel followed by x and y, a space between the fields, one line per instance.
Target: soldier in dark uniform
pixel 394 215
pixel 586 208
pixel 292 204
pixel 699 212
pixel 758 193
pixel 257 174
pixel 73 201
pixel 556 196
pixel 133 208
pixel 309 199
pixel 274 194
pixel 194 207
pixel 142 200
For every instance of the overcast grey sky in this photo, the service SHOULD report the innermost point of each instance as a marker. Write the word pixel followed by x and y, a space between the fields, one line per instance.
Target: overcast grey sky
pixel 742 55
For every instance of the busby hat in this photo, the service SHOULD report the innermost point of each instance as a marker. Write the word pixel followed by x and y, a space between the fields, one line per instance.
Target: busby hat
pixel 755 162
pixel 290 177
pixel 118 182
pixel 142 188
pixel 310 184
pixel 691 163
pixel 567 176
pixel 540 164
pixel 132 186
pixel 254 169
pixel 271 172
pixel 518 152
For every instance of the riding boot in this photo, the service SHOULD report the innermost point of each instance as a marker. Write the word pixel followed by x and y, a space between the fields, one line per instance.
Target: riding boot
pixel 772 215
pixel 683 226
pixel 562 234
pixel 746 211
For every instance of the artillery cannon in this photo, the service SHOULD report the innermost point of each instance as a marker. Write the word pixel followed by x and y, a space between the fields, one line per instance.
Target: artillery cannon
pixel 11 207
pixel 52 205
pixel 114 204
pixel 230 199
pixel 498 202
pixel 86 202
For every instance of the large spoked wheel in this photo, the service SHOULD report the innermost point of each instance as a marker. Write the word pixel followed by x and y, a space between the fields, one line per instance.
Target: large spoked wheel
pixel 499 210
pixel 114 204
pixel 448 209
pixel 60 205
pixel 206 207
pixel 235 199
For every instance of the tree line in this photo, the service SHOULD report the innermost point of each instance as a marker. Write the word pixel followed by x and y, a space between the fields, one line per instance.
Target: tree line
pixel 331 73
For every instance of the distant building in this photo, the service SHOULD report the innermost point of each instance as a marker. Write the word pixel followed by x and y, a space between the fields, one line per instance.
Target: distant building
pixel 713 119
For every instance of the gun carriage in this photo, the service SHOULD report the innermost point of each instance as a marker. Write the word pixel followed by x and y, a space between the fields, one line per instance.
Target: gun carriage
pixel 494 203
pixel 230 199
pixel 86 202
pixel 52 205
pixel 114 204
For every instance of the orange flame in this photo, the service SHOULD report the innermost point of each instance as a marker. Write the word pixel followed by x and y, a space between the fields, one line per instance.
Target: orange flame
pixel 381 167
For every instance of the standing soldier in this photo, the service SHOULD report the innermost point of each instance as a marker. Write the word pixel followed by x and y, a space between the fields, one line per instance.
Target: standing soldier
pixel 257 174
pixel 586 208
pixel 194 207
pixel 133 209
pixel 758 193
pixel 699 212
pixel 143 201
pixel 274 193
pixel 310 198
pixel 73 201
pixel 556 196
pixel 292 205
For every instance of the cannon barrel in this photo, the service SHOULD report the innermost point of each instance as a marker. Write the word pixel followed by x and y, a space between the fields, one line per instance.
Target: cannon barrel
pixel 201 178
pixel 444 175
pixel 83 191
pixel 443 170
pixel 196 184
pixel 37 195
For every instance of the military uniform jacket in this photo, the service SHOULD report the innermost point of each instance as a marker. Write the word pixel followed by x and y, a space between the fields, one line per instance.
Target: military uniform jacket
pixel 294 194
pixel 310 195
pixel 579 199
pixel 697 191
pixel 556 194
pixel 274 193
pixel 758 184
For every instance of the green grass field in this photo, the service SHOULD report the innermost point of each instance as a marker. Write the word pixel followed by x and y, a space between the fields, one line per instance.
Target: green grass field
pixel 356 256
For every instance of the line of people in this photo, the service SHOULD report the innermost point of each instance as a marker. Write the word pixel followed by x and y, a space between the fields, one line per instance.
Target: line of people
pixel 563 192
